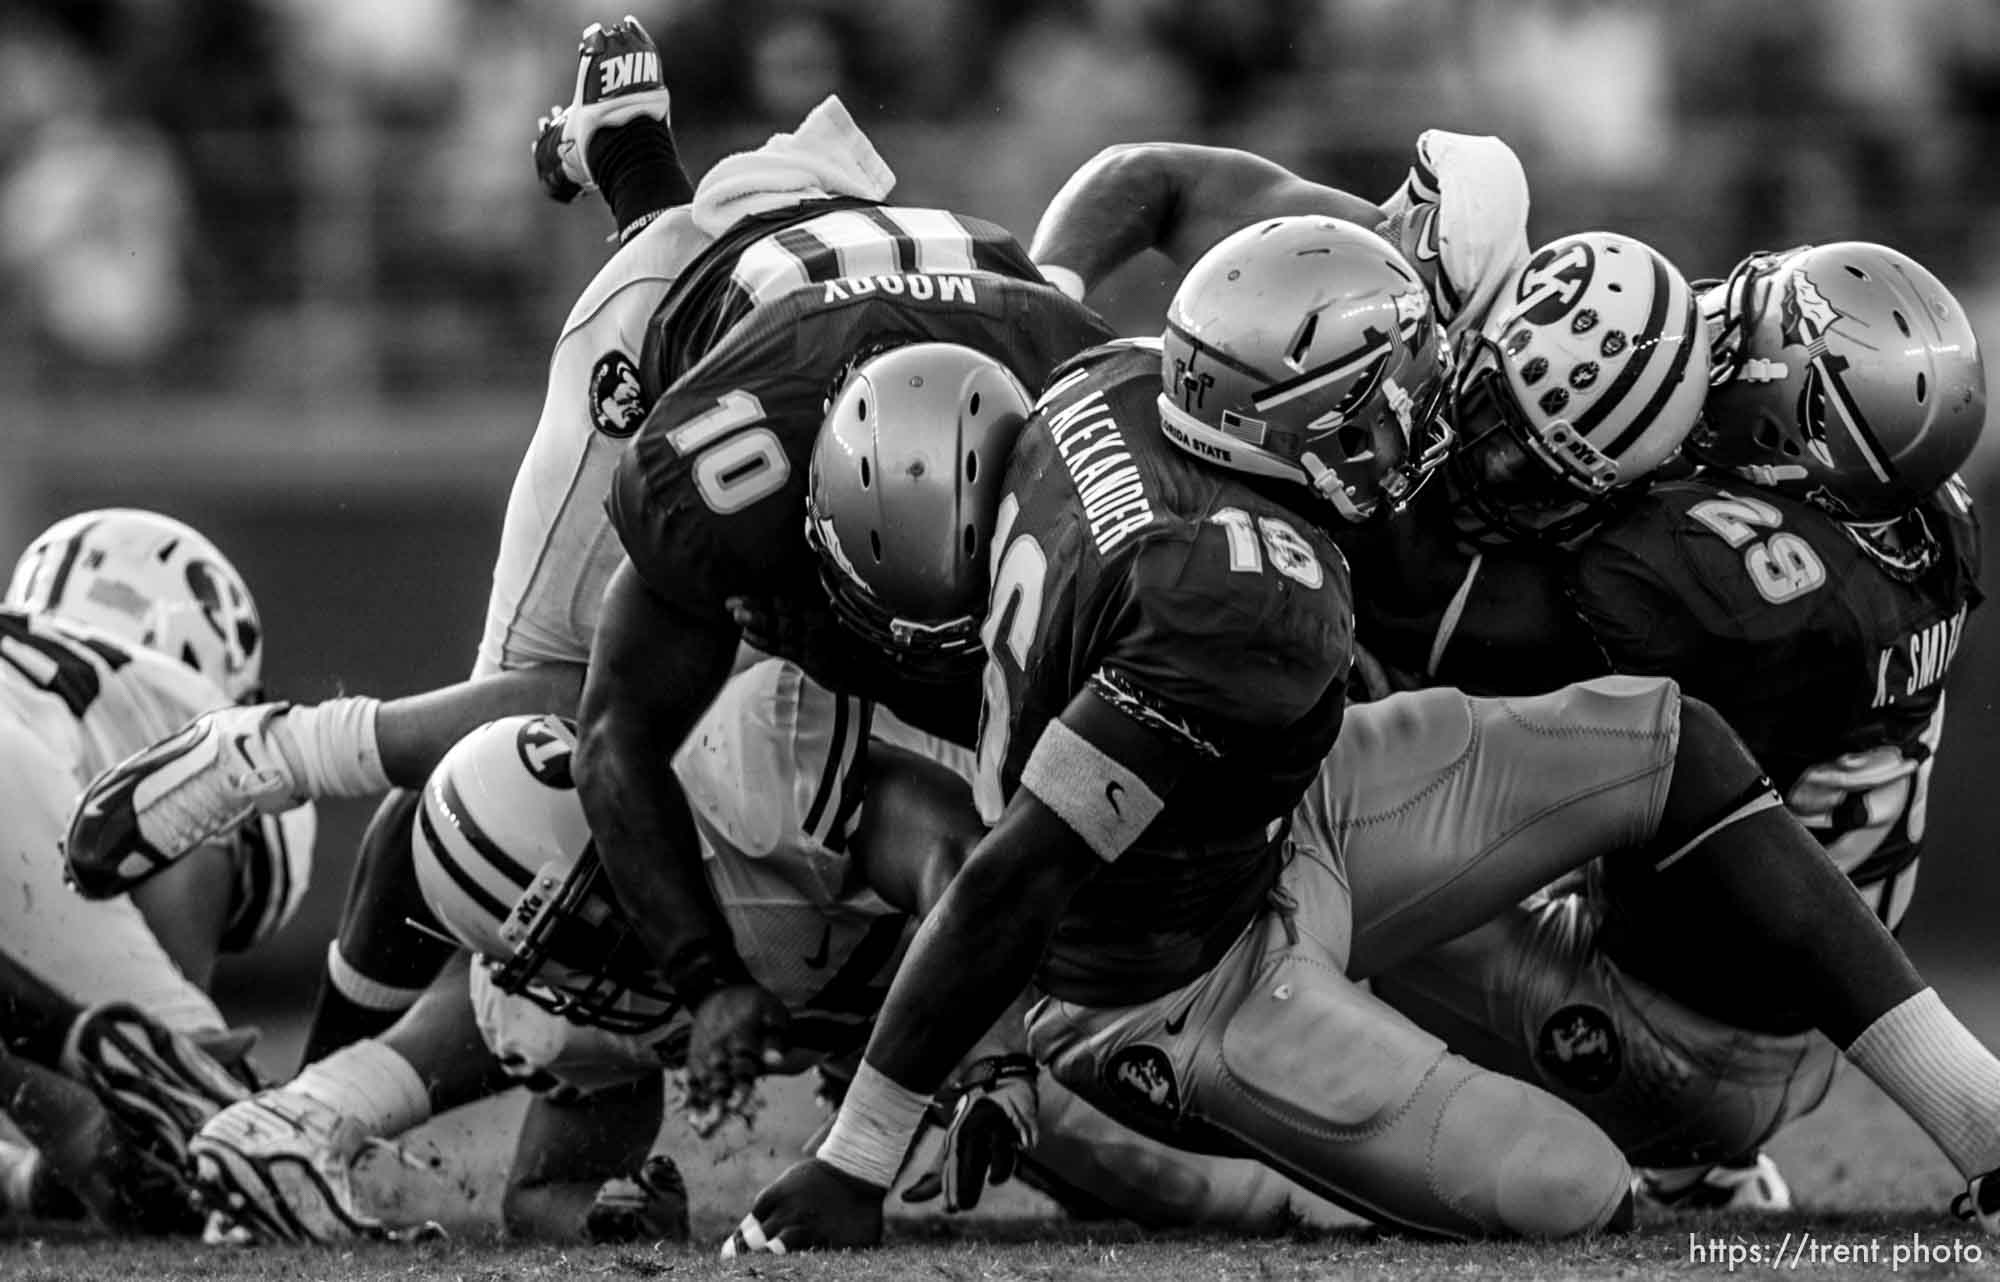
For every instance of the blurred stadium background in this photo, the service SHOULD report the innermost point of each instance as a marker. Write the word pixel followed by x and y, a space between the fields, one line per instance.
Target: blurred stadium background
pixel 281 268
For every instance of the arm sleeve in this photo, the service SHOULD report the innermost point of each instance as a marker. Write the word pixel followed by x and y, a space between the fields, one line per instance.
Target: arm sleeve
pixel 1461 217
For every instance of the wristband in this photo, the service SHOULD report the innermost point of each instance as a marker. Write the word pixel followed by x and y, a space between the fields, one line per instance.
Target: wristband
pixel 702 967
pixel 877 1121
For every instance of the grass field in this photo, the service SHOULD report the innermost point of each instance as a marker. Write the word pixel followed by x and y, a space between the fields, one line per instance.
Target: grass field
pixel 1866 1179
pixel 1871 1189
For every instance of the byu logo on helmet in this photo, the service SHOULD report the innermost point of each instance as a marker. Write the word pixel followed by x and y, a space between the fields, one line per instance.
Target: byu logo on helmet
pixel 1553 280
pixel 545 745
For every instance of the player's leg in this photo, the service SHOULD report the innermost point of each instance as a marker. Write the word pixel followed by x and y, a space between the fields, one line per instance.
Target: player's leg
pixel 379 964
pixel 1095 1167
pixel 1531 994
pixel 89 951
pixel 187 909
pixel 1274 1054
pixel 1787 940
pixel 581 1170
pixel 1696 837
pixel 280 1164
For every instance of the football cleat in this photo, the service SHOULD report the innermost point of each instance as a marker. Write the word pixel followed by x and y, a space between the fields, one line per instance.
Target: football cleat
pixel 1980 1202
pixel 1750 1184
pixel 278 1167
pixel 651 1206
pixel 159 1085
pixel 161 802
pixel 617 81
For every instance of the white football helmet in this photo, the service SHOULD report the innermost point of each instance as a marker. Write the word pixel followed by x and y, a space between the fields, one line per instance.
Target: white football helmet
pixel 151 581
pixel 1587 376
pixel 505 861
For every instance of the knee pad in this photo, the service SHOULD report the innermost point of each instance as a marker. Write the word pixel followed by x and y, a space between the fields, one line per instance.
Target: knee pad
pixel 1334 1088
pixel 1523 1161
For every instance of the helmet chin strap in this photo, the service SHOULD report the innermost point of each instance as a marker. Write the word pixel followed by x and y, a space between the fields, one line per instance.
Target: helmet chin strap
pixel 1327 483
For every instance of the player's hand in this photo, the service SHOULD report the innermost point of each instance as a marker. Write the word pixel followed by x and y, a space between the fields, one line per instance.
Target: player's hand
pixel 739 1033
pixel 812 1206
pixel 991 1126
pixel 617 82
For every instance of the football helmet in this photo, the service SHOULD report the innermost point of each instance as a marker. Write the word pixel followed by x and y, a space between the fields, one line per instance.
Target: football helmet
pixel 505 861
pixel 1586 377
pixel 904 492
pixel 1305 349
pixel 151 581
pixel 1843 374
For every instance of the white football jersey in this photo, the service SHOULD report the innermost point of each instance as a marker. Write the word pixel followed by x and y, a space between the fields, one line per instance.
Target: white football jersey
pixel 557 549
pixel 91 700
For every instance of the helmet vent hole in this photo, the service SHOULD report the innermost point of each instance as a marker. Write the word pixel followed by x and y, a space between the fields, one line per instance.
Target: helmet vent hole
pixel 971 541
pixel 1793 449
pixel 1615 287
pixel 1766 435
pixel 861 408
pixel 875 544
pixel 1902 323
pixel 1923 389
pixel 1856 272
pixel 867 478
pixel 971 468
pixel 974 406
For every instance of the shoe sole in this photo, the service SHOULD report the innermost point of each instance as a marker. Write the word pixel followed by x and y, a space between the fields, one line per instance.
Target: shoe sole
pixel 271 1197
pixel 164 1096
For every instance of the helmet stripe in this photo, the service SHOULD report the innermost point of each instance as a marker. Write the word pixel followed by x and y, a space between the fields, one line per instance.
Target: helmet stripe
pixel 1643 355
pixel 1197 347
pixel 71 551
pixel 1684 352
pixel 1852 419
pixel 475 836
pixel 488 902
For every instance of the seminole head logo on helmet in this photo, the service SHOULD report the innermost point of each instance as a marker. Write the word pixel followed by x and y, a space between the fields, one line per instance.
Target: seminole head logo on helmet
pixel 1306 349
pixel 1845 374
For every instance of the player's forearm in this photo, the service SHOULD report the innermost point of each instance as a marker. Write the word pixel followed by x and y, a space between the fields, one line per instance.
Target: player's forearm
pixel 1120 204
pixel 645 836
pixel 413 733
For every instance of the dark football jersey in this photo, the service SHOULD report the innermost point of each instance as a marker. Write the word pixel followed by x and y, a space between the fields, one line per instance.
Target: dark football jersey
pixel 1769 610
pixel 709 501
pixel 1197 606
pixel 766 256
pixel 1492 621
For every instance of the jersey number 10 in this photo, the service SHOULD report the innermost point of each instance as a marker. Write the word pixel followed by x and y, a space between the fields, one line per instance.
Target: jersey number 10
pixel 741 468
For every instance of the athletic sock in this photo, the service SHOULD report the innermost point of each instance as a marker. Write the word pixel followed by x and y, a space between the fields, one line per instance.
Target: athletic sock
pixel 1940 1074
pixel 369 1083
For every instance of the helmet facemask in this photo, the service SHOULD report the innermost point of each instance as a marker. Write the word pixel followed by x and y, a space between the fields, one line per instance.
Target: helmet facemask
pixel 1510 482
pixel 1305 349
pixel 940 652
pixel 574 954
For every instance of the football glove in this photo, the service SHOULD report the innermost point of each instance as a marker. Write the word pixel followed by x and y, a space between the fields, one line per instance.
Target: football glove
pixel 989 1128
pixel 617 81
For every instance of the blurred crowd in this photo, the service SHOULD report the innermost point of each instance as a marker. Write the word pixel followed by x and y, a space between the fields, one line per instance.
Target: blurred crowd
pixel 288 199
